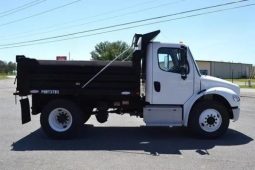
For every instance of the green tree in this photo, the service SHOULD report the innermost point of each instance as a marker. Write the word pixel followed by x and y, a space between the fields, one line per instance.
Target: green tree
pixel 7 67
pixel 3 67
pixel 109 50
pixel 11 67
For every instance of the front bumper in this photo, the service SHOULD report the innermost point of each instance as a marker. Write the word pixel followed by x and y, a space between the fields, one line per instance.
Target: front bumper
pixel 236 113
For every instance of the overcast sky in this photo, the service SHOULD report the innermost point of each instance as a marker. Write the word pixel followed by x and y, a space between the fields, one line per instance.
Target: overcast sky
pixel 222 36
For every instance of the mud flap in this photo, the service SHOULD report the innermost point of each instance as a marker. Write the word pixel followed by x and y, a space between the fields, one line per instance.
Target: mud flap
pixel 25 111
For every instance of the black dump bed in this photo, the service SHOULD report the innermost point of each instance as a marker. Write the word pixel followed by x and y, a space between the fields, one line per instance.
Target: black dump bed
pixel 68 77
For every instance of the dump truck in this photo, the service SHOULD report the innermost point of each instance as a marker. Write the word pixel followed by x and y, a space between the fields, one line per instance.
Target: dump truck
pixel 161 84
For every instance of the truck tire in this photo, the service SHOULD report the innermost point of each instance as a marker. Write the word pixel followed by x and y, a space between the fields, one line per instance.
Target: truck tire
pixel 61 119
pixel 209 119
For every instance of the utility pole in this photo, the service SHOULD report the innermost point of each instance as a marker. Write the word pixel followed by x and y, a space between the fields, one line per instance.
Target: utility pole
pixel 69 56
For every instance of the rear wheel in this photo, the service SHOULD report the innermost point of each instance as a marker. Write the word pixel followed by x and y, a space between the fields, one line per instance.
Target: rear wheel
pixel 209 119
pixel 61 119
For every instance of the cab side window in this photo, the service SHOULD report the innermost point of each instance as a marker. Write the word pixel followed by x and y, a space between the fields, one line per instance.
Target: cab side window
pixel 169 59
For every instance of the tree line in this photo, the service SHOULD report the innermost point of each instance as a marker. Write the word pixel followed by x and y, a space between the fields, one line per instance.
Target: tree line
pixel 7 68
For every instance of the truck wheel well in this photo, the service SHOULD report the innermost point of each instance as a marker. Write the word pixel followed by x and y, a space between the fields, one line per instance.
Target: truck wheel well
pixel 218 98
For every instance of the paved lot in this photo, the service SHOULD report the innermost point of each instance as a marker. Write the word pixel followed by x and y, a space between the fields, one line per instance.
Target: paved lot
pixel 122 144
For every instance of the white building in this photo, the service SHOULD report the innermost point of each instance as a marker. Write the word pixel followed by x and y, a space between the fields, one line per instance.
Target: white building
pixel 225 69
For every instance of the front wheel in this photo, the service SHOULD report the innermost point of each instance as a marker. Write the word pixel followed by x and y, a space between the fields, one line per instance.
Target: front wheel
pixel 209 119
pixel 61 119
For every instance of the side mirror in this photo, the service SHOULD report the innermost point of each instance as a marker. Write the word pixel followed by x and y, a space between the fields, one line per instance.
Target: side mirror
pixel 184 72
pixel 184 67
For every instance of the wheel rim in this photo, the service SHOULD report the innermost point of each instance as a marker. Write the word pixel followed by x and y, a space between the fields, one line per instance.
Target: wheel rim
pixel 210 120
pixel 60 119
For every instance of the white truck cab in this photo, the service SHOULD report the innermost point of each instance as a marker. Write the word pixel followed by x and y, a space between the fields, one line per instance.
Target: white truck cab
pixel 178 95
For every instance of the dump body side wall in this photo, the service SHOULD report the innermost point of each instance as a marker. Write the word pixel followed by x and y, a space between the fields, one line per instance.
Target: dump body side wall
pixel 48 80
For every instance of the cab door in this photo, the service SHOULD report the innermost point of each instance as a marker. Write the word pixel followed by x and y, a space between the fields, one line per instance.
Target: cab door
pixel 169 85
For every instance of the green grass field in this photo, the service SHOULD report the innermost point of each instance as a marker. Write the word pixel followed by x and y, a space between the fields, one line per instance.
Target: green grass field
pixel 243 83
pixel 240 80
pixel 247 87
pixel 2 76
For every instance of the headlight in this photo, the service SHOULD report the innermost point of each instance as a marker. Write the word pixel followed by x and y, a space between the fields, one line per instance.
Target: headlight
pixel 236 98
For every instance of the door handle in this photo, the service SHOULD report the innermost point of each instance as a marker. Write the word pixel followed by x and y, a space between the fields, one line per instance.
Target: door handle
pixel 157 86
